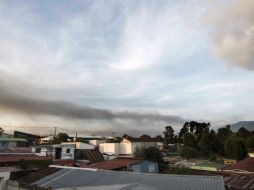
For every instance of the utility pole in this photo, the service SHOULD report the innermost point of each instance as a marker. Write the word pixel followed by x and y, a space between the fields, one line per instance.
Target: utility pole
pixel 76 136
pixel 55 131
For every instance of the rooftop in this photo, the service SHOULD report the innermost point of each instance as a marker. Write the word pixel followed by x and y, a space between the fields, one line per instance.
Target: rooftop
pixel 92 155
pixel 5 139
pixel 18 157
pixel 115 163
pixel 70 178
pixel 246 165
pixel 235 182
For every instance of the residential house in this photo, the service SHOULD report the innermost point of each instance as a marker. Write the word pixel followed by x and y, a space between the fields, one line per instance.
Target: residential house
pixel 245 166
pixel 128 146
pixel 46 140
pixel 43 150
pixel 239 176
pixel 75 153
pixel 127 164
pixel 11 142
pixel 31 138
pixel 83 179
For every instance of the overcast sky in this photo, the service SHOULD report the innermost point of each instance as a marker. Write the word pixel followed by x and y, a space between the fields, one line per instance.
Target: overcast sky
pixel 126 66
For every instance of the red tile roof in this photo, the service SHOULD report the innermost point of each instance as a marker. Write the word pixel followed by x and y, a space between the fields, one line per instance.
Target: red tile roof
pixel 117 163
pixel 18 157
pixel 246 165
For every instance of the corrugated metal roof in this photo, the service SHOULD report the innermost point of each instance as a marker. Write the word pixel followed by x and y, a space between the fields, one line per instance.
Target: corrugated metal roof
pixel 92 155
pixel 245 182
pixel 69 178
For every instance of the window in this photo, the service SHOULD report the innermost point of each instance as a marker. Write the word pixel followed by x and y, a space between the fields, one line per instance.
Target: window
pixel 151 167
pixel 68 150
pixel 136 169
pixel 37 150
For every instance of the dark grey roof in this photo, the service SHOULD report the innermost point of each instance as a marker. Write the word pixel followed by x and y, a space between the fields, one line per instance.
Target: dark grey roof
pixel 67 178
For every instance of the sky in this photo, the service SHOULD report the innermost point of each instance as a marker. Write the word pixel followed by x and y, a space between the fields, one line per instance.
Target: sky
pixel 125 66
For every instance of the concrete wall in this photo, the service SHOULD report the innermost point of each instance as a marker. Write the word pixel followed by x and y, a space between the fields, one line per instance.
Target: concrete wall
pixel 13 185
pixel 4 176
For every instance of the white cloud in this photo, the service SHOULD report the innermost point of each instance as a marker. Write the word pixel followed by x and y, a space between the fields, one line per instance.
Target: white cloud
pixel 232 30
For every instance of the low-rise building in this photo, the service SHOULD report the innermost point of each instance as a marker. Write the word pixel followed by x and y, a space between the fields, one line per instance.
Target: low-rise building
pixel 12 142
pixel 127 146
pixel 245 166
pixel 32 139
pixel 127 164
pixel 43 150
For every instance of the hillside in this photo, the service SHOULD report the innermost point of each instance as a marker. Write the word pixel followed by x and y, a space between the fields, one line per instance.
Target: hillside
pixel 247 124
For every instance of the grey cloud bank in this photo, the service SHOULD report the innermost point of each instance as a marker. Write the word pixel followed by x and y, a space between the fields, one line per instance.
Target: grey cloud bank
pixel 13 100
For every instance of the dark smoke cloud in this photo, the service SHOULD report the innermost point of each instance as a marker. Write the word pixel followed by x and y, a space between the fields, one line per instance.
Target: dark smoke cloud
pixel 12 100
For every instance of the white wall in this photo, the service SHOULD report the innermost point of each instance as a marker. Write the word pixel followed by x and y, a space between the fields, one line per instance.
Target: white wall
pixel 44 151
pixel 67 156
pixel 80 145
pixel 4 176
pixel 115 148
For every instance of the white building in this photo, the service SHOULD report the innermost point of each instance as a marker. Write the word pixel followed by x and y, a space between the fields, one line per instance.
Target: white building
pixel 66 150
pixel 126 146
pixel 43 150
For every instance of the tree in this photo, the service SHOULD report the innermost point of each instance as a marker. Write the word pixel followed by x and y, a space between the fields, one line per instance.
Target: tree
pixel 189 140
pixel 183 131
pixel 250 142
pixel 151 154
pixel 160 138
pixel 145 136
pixel 203 144
pixel 243 133
pixel 189 152
pixel 235 148
pixel 168 135
pixel 214 144
pixel 60 137
pixel 1 131
pixel 222 135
